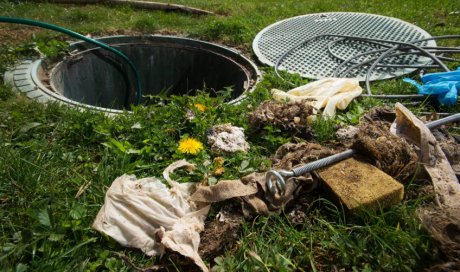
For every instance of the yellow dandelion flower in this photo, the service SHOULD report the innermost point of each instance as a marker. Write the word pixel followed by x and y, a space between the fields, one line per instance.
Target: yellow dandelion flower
pixel 200 107
pixel 190 146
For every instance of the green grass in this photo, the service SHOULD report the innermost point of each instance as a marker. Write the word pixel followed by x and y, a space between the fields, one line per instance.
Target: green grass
pixel 50 154
pixel 383 241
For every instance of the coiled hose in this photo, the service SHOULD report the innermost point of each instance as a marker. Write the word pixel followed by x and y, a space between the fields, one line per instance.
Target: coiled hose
pixel 84 38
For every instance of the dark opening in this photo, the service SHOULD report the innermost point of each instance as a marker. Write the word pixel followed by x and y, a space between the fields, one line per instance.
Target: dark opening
pixel 167 65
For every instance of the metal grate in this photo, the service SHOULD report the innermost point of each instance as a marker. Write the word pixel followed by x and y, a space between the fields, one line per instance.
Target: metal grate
pixel 315 60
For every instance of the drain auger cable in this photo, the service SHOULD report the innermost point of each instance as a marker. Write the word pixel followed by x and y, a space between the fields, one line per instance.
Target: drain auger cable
pixel 80 37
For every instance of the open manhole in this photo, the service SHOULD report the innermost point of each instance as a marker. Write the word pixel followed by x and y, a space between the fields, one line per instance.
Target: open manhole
pixel 95 78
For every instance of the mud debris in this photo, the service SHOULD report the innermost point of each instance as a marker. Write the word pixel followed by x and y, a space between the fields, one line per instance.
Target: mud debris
pixel 346 134
pixel 444 226
pixel 450 145
pixel 392 154
pixel 291 155
pixel 291 117
pixel 221 233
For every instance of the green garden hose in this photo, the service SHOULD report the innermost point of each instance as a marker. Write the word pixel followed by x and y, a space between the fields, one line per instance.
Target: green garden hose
pixel 80 37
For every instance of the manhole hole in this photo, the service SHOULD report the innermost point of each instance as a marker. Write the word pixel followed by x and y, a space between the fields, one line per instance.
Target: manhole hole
pixel 320 57
pixel 94 78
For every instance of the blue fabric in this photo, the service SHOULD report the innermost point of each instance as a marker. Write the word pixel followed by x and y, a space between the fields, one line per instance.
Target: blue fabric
pixel 444 86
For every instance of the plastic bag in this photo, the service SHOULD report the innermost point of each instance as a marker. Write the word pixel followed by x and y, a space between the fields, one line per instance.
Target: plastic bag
pixel 327 93
pixel 443 85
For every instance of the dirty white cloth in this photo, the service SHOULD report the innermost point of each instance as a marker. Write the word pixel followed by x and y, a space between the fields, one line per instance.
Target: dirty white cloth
pixel 146 214
pixel 327 93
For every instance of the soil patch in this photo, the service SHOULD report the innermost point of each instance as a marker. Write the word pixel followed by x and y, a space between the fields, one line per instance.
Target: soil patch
pixel 221 233
pixel 11 34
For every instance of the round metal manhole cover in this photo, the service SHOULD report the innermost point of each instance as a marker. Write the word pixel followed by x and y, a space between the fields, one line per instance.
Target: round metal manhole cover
pixel 320 57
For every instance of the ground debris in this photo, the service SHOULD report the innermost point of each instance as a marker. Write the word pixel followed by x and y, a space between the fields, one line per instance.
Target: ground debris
pixel 444 226
pixel 146 214
pixel 291 117
pixel 442 219
pixel 222 232
pixel 291 155
pixel 392 154
pixel 346 134
pixel 251 191
pixel 227 138
pixel 385 114
pixel 450 145
pixel 432 157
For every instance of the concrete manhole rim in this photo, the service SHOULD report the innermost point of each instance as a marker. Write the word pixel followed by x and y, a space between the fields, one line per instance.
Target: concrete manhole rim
pixel 25 76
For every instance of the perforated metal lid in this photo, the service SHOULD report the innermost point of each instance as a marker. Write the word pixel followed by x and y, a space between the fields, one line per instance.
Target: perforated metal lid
pixel 315 60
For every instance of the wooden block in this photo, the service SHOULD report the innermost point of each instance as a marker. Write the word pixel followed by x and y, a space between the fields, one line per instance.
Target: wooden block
pixel 355 183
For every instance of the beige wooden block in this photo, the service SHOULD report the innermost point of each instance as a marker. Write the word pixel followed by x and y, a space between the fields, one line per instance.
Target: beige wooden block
pixel 355 183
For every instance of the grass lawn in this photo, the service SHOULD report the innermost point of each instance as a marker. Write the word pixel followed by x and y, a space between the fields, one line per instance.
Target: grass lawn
pixel 56 163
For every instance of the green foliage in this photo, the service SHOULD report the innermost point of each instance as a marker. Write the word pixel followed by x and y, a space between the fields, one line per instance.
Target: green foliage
pixel 286 82
pixel 52 49
pixel 352 115
pixel 145 23
pixel 324 129
pixel 5 92
pixel 10 54
pixel 374 241
pixel 234 30
pixel 76 16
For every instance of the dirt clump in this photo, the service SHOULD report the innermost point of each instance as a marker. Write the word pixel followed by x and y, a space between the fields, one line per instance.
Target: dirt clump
pixel 227 138
pixel 385 114
pixel 291 154
pixel 222 232
pixel 450 145
pixel 392 154
pixel 291 117
pixel 444 227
